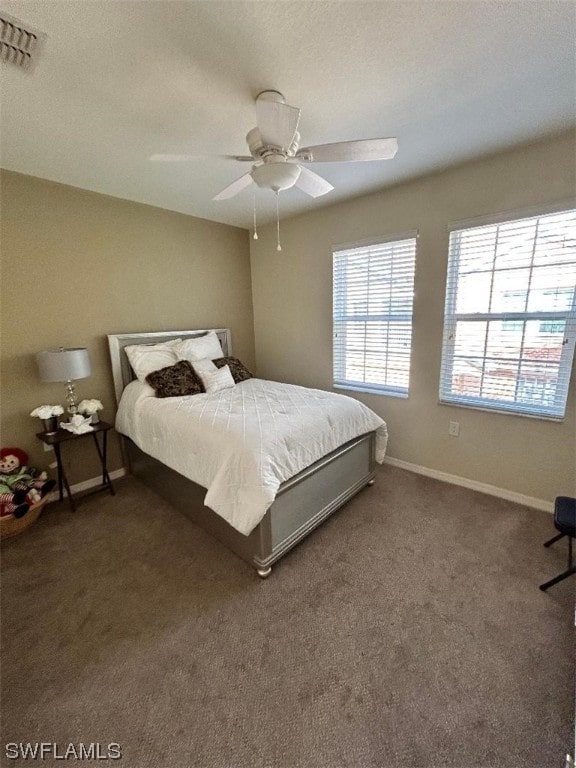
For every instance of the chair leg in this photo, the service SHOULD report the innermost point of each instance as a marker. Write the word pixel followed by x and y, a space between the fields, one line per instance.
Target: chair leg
pixel 556 579
pixel 553 539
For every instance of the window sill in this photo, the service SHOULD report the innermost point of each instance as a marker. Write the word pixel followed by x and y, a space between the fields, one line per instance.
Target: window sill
pixel 371 390
pixel 503 411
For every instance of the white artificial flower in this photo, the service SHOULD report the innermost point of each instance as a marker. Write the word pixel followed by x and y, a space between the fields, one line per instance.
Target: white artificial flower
pixel 47 411
pixel 42 412
pixel 90 406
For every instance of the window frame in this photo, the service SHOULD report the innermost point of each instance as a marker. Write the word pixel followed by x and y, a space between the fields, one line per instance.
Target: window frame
pixel 556 412
pixel 340 382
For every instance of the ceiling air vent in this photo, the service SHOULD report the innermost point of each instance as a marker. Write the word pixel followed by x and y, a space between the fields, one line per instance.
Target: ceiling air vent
pixel 19 43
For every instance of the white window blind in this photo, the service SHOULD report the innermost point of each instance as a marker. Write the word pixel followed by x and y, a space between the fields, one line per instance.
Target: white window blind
pixel 373 291
pixel 510 319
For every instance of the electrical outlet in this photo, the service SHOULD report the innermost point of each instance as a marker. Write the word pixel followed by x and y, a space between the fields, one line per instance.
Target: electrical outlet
pixel 454 428
pixel 53 465
pixel 47 447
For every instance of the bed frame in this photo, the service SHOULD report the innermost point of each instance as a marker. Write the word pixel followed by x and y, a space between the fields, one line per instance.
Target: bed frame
pixel 301 504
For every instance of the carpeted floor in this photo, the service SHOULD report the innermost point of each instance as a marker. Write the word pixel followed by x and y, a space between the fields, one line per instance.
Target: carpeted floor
pixel 407 632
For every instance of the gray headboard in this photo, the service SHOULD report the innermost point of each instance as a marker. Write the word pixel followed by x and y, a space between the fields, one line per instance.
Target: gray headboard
pixel 121 369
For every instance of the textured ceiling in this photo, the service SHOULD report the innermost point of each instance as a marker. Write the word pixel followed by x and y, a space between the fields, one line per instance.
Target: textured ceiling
pixel 121 81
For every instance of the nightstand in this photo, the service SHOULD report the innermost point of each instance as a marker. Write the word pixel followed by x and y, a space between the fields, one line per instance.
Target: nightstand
pixel 99 434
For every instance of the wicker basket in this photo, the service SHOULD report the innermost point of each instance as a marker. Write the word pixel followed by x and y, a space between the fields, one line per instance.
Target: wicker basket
pixel 12 526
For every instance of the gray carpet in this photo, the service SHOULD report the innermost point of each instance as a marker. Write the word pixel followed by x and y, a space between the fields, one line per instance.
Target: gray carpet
pixel 408 631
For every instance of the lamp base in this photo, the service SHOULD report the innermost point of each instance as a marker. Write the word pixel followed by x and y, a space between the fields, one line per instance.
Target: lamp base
pixel 71 398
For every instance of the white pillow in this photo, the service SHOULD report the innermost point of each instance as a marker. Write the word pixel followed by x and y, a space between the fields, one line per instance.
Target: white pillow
pixel 200 347
pixel 214 381
pixel 145 358
pixel 204 366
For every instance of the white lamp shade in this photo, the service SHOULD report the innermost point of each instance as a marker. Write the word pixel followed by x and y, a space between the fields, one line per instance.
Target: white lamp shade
pixel 63 364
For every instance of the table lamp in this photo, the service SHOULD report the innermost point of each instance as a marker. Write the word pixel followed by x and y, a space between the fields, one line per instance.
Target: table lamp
pixel 64 365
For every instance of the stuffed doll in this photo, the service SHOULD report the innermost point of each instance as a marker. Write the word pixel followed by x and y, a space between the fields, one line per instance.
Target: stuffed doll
pixel 13 503
pixel 20 485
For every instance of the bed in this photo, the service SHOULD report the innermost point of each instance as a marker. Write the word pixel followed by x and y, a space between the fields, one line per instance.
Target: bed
pixel 287 504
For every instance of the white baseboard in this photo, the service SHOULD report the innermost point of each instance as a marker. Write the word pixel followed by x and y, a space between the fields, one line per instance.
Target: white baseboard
pixel 445 477
pixel 85 485
pixel 474 485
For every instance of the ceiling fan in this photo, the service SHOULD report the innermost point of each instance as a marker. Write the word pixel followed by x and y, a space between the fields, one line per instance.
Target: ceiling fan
pixel 276 156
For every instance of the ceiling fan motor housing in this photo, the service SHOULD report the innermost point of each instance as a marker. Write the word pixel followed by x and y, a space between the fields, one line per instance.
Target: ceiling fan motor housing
pixel 258 149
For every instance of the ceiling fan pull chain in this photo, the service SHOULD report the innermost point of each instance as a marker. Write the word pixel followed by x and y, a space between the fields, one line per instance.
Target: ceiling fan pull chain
pixel 255 235
pixel 278 247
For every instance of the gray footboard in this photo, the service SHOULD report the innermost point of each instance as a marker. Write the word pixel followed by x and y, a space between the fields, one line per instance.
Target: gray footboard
pixel 302 503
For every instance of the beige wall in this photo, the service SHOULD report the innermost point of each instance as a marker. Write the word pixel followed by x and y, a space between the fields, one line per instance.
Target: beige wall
pixel 292 293
pixel 78 265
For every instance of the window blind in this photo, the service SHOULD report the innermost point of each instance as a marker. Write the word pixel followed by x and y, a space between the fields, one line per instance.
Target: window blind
pixel 510 315
pixel 373 291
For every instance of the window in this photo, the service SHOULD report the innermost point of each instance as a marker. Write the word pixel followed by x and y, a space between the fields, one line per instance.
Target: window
pixel 510 319
pixel 373 291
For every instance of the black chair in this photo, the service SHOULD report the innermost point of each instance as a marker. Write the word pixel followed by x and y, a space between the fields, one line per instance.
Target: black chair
pixel 565 522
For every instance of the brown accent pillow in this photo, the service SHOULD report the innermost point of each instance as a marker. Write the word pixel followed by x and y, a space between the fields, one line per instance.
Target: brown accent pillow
pixel 175 380
pixel 237 369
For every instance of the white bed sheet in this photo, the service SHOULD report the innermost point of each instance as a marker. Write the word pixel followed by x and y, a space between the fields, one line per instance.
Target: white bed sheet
pixel 242 443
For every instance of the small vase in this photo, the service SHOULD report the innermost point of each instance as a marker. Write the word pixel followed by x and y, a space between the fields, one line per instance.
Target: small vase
pixel 50 425
pixel 94 418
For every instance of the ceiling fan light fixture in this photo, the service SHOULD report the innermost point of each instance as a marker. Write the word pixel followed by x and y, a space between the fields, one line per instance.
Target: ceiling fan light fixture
pixel 274 147
pixel 276 176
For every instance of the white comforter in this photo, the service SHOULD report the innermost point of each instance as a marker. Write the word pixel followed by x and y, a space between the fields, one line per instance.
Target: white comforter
pixel 242 443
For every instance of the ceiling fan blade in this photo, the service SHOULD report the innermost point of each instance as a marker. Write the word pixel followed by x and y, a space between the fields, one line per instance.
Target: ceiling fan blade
pixel 349 151
pixel 312 184
pixel 173 158
pixel 277 122
pixel 235 187
pixel 185 158
pixel 239 158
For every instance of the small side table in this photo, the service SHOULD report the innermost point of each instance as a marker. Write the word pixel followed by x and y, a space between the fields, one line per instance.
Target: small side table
pixel 63 436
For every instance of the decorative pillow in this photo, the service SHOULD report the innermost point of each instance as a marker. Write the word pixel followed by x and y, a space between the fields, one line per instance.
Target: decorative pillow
pixel 200 347
pixel 214 381
pixel 237 368
pixel 175 380
pixel 145 358
pixel 203 366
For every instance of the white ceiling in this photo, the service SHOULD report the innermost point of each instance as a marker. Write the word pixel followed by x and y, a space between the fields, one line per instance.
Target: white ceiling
pixel 121 81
